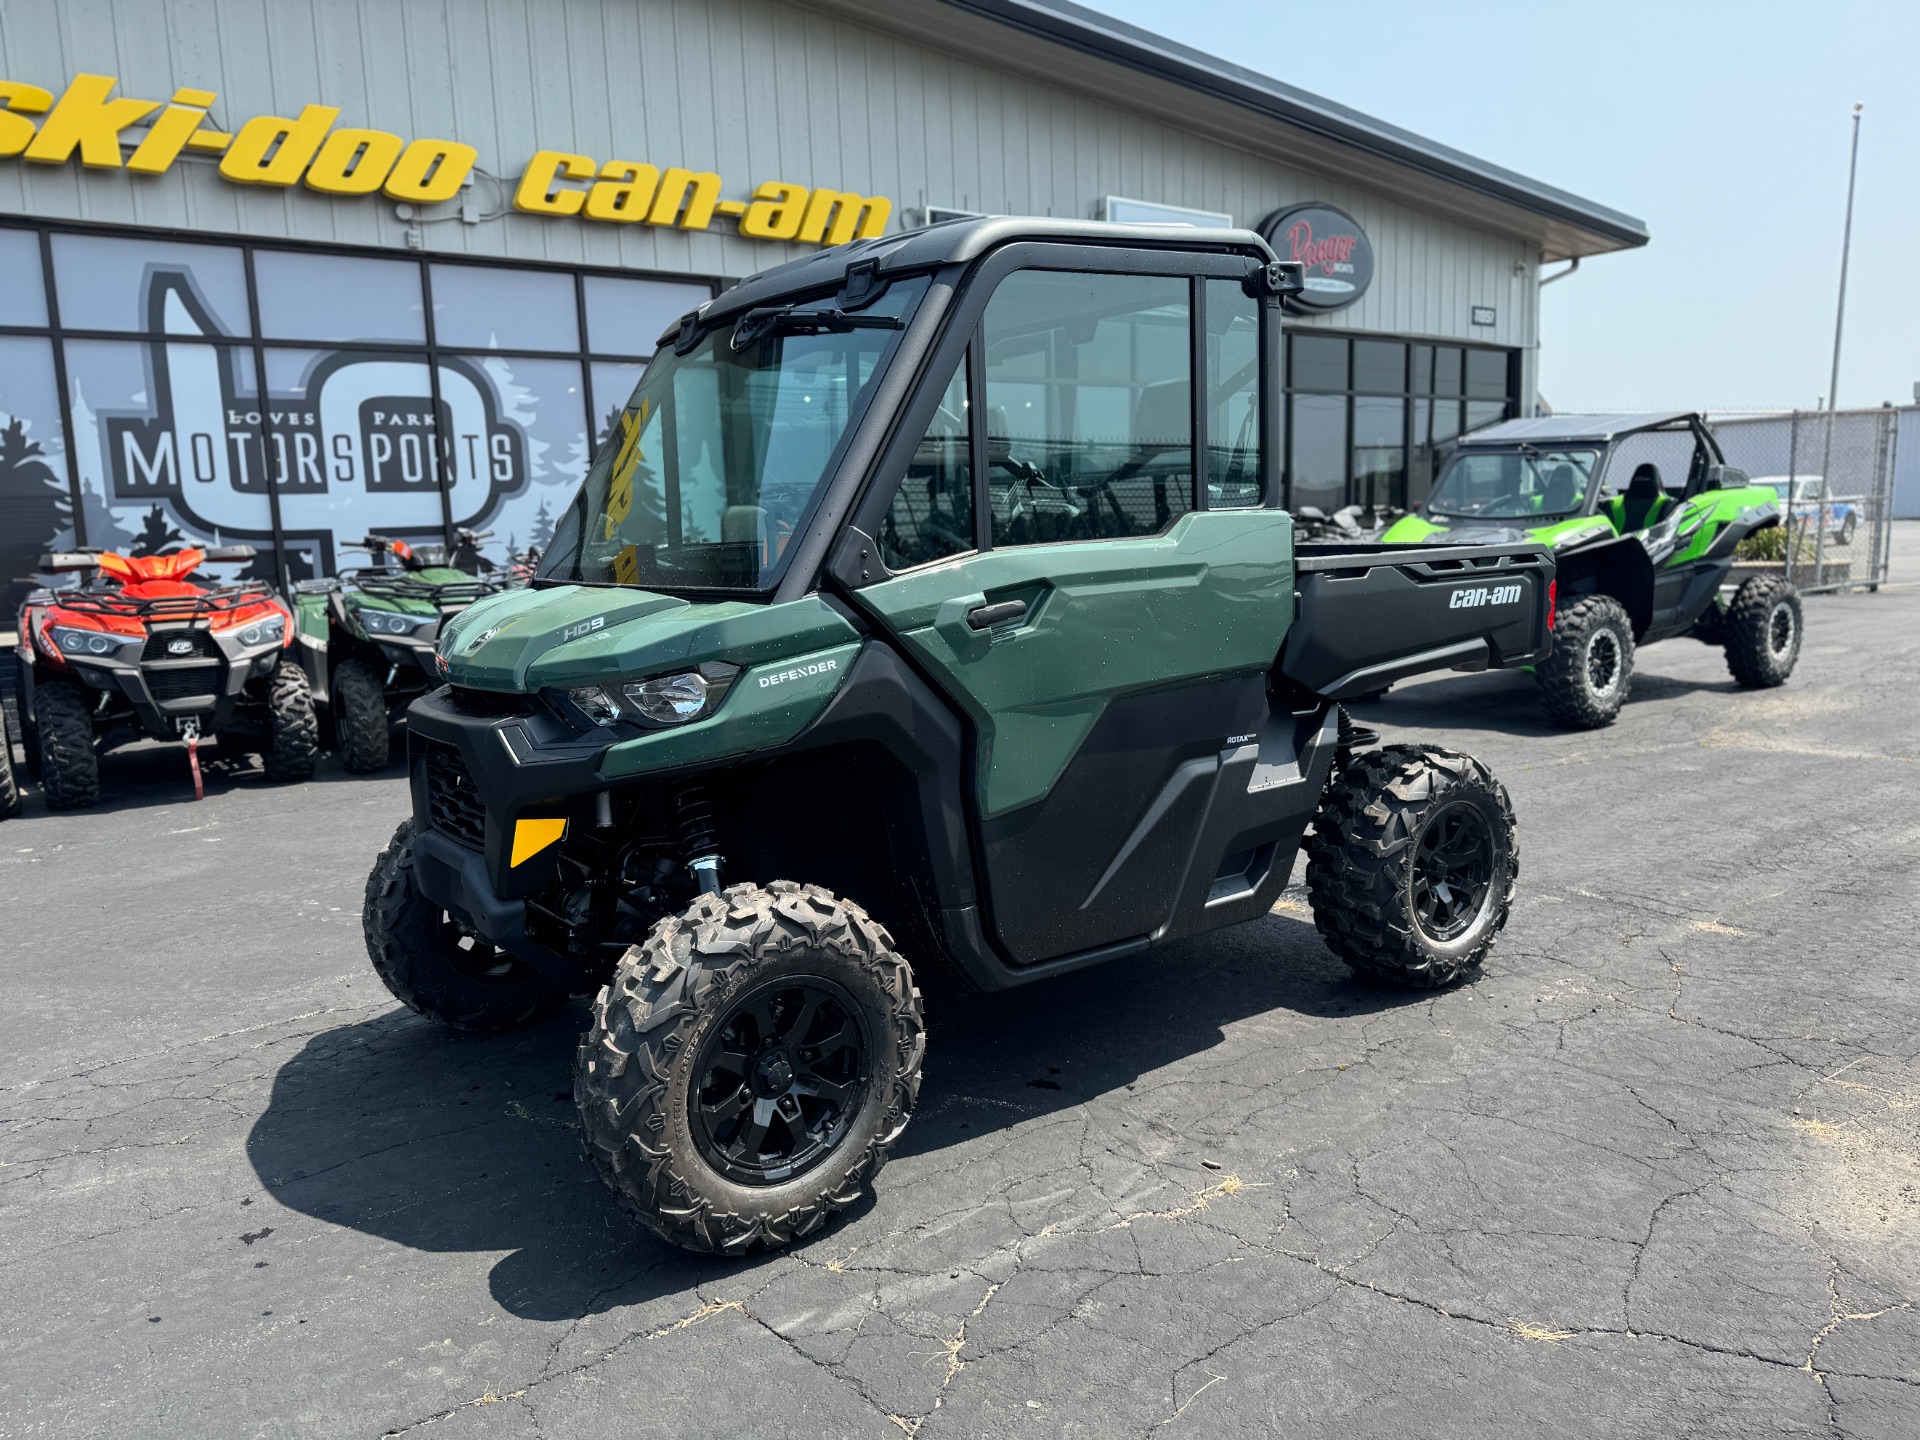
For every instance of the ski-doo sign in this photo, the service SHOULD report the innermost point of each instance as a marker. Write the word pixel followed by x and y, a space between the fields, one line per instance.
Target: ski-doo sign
pixel 1329 243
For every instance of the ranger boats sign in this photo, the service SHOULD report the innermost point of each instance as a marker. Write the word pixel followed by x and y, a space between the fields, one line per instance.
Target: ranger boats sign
pixel 1333 250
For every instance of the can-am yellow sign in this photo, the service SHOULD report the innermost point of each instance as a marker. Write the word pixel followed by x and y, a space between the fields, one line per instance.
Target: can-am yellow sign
pixel 89 123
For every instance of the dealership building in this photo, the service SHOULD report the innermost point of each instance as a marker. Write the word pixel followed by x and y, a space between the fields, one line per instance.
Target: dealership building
pixel 290 271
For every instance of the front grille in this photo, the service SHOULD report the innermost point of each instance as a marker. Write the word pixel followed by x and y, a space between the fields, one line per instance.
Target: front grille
pixel 159 640
pixel 453 801
pixel 488 702
pixel 185 682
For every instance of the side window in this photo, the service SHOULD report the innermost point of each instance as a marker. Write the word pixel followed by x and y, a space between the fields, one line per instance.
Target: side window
pixel 1671 452
pixel 932 512
pixel 1233 395
pixel 1088 406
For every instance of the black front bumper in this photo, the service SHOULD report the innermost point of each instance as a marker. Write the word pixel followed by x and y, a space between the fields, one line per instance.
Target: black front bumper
pixel 478 766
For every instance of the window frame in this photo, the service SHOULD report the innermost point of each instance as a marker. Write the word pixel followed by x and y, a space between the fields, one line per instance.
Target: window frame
pixel 1411 395
pixel 963 340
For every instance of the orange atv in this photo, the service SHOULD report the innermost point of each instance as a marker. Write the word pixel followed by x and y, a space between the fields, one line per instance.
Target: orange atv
pixel 137 651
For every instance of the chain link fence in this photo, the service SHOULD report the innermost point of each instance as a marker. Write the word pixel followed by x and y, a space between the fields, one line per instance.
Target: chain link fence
pixel 1834 472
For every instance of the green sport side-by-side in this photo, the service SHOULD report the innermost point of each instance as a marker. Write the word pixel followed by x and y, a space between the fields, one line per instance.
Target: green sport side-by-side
pixel 1642 513
pixel 930 608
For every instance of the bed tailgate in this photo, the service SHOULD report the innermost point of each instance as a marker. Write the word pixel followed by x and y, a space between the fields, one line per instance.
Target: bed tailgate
pixel 1366 616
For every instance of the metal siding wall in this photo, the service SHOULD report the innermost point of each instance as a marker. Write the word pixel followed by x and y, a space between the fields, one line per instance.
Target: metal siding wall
pixel 754 89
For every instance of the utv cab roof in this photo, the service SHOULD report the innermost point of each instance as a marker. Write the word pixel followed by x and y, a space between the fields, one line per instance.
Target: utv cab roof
pixel 1561 429
pixel 956 242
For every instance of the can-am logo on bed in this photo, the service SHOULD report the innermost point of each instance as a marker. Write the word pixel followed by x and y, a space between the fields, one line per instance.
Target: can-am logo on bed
pixel 1329 243
pixel 361 421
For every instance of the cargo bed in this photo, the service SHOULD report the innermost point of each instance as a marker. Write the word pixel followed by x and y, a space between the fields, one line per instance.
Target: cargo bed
pixel 1369 615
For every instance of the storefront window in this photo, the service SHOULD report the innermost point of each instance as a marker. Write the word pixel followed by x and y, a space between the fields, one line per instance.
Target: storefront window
pixel 23 296
pixel 36 506
pixel 627 317
pixel 1401 411
pixel 338 298
pixel 171 441
pixel 488 308
pixel 1319 469
pixel 167 446
pixel 1379 450
pixel 156 286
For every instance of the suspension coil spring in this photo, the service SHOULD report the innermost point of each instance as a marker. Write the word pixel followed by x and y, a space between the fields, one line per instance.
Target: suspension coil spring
pixel 699 843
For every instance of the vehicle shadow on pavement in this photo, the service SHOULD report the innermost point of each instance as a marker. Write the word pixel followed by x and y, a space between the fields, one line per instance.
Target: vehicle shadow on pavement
pixel 450 1143
pixel 1505 702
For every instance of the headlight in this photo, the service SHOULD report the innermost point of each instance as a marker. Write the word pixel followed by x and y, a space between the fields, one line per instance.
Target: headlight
pixel 90 643
pixel 392 622
pixel 663 700
pixel 270 631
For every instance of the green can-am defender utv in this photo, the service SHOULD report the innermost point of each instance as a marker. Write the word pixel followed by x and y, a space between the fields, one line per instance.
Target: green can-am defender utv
pixel 366 639
pixel 931 605
pixel 1643 513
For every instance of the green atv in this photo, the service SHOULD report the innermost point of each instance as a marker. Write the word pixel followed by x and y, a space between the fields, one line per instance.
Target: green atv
pixel 366 639
pixel 930 607
pixel 1639 558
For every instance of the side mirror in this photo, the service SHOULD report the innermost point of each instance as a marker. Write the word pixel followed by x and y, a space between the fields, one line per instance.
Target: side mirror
pixel 1725 477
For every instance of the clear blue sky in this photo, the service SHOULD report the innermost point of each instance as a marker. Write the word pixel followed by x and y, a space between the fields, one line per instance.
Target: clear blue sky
pixel 1723 126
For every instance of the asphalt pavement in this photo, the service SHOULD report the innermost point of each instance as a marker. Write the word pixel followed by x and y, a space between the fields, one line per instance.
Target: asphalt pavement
pixel 1656 1173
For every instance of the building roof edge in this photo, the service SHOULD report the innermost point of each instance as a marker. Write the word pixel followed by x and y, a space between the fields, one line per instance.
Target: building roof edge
pixel 1118 42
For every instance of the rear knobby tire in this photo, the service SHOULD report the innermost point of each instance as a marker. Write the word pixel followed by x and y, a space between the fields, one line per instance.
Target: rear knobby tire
pixel 1763 632
pixel 360 718
pixel 433 966
pixel 63 728
pixel 1411 864
pixel 663 1118
pixel 1585 680
pixel 293 729
pixel 9 787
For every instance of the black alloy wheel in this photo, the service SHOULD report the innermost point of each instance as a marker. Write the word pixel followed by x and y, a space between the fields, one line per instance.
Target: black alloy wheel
pixel 1781 628
pixel 779 1080
pixel 1452 871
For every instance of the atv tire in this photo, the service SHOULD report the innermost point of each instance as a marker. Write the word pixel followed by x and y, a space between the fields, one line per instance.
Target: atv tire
pixel 69 765
pixel 1411 864
pixel 1585 681
pixel 9 787
pixel 750 1066
pixel 294 729
pixel 360 718
pixel 1763 632
pixel 435 968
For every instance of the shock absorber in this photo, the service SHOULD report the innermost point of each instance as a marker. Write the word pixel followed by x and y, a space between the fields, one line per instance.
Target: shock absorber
pixel 699 846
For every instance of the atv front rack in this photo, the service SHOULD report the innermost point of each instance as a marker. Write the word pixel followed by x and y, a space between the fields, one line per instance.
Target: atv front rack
pixel 389 586
pixel 165 607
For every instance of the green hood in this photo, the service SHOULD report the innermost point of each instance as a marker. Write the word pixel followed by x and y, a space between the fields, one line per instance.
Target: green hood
pixel 525 640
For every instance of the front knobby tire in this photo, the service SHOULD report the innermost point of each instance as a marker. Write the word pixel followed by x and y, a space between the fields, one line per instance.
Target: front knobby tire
pixel 1585 680
pixel 63 733
pixel 436 967
pixel 1763 628
pixel 1411 865
pixel 750 1066
pixel 360 717
pixel 294 730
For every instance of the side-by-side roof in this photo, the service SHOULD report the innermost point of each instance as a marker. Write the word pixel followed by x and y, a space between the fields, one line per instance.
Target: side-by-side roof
pixel 1548 429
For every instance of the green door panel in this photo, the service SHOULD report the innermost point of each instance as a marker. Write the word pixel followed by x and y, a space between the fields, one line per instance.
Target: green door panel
pixel 1211 596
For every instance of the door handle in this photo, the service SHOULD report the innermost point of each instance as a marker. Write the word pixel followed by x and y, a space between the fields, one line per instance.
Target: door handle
pixel 982 617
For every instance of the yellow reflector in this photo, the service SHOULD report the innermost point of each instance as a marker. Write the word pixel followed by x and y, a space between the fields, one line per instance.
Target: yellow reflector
pixel 530 837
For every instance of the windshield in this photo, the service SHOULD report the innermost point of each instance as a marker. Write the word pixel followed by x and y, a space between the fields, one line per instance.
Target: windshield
pixel 714 466
pixel 1523 484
